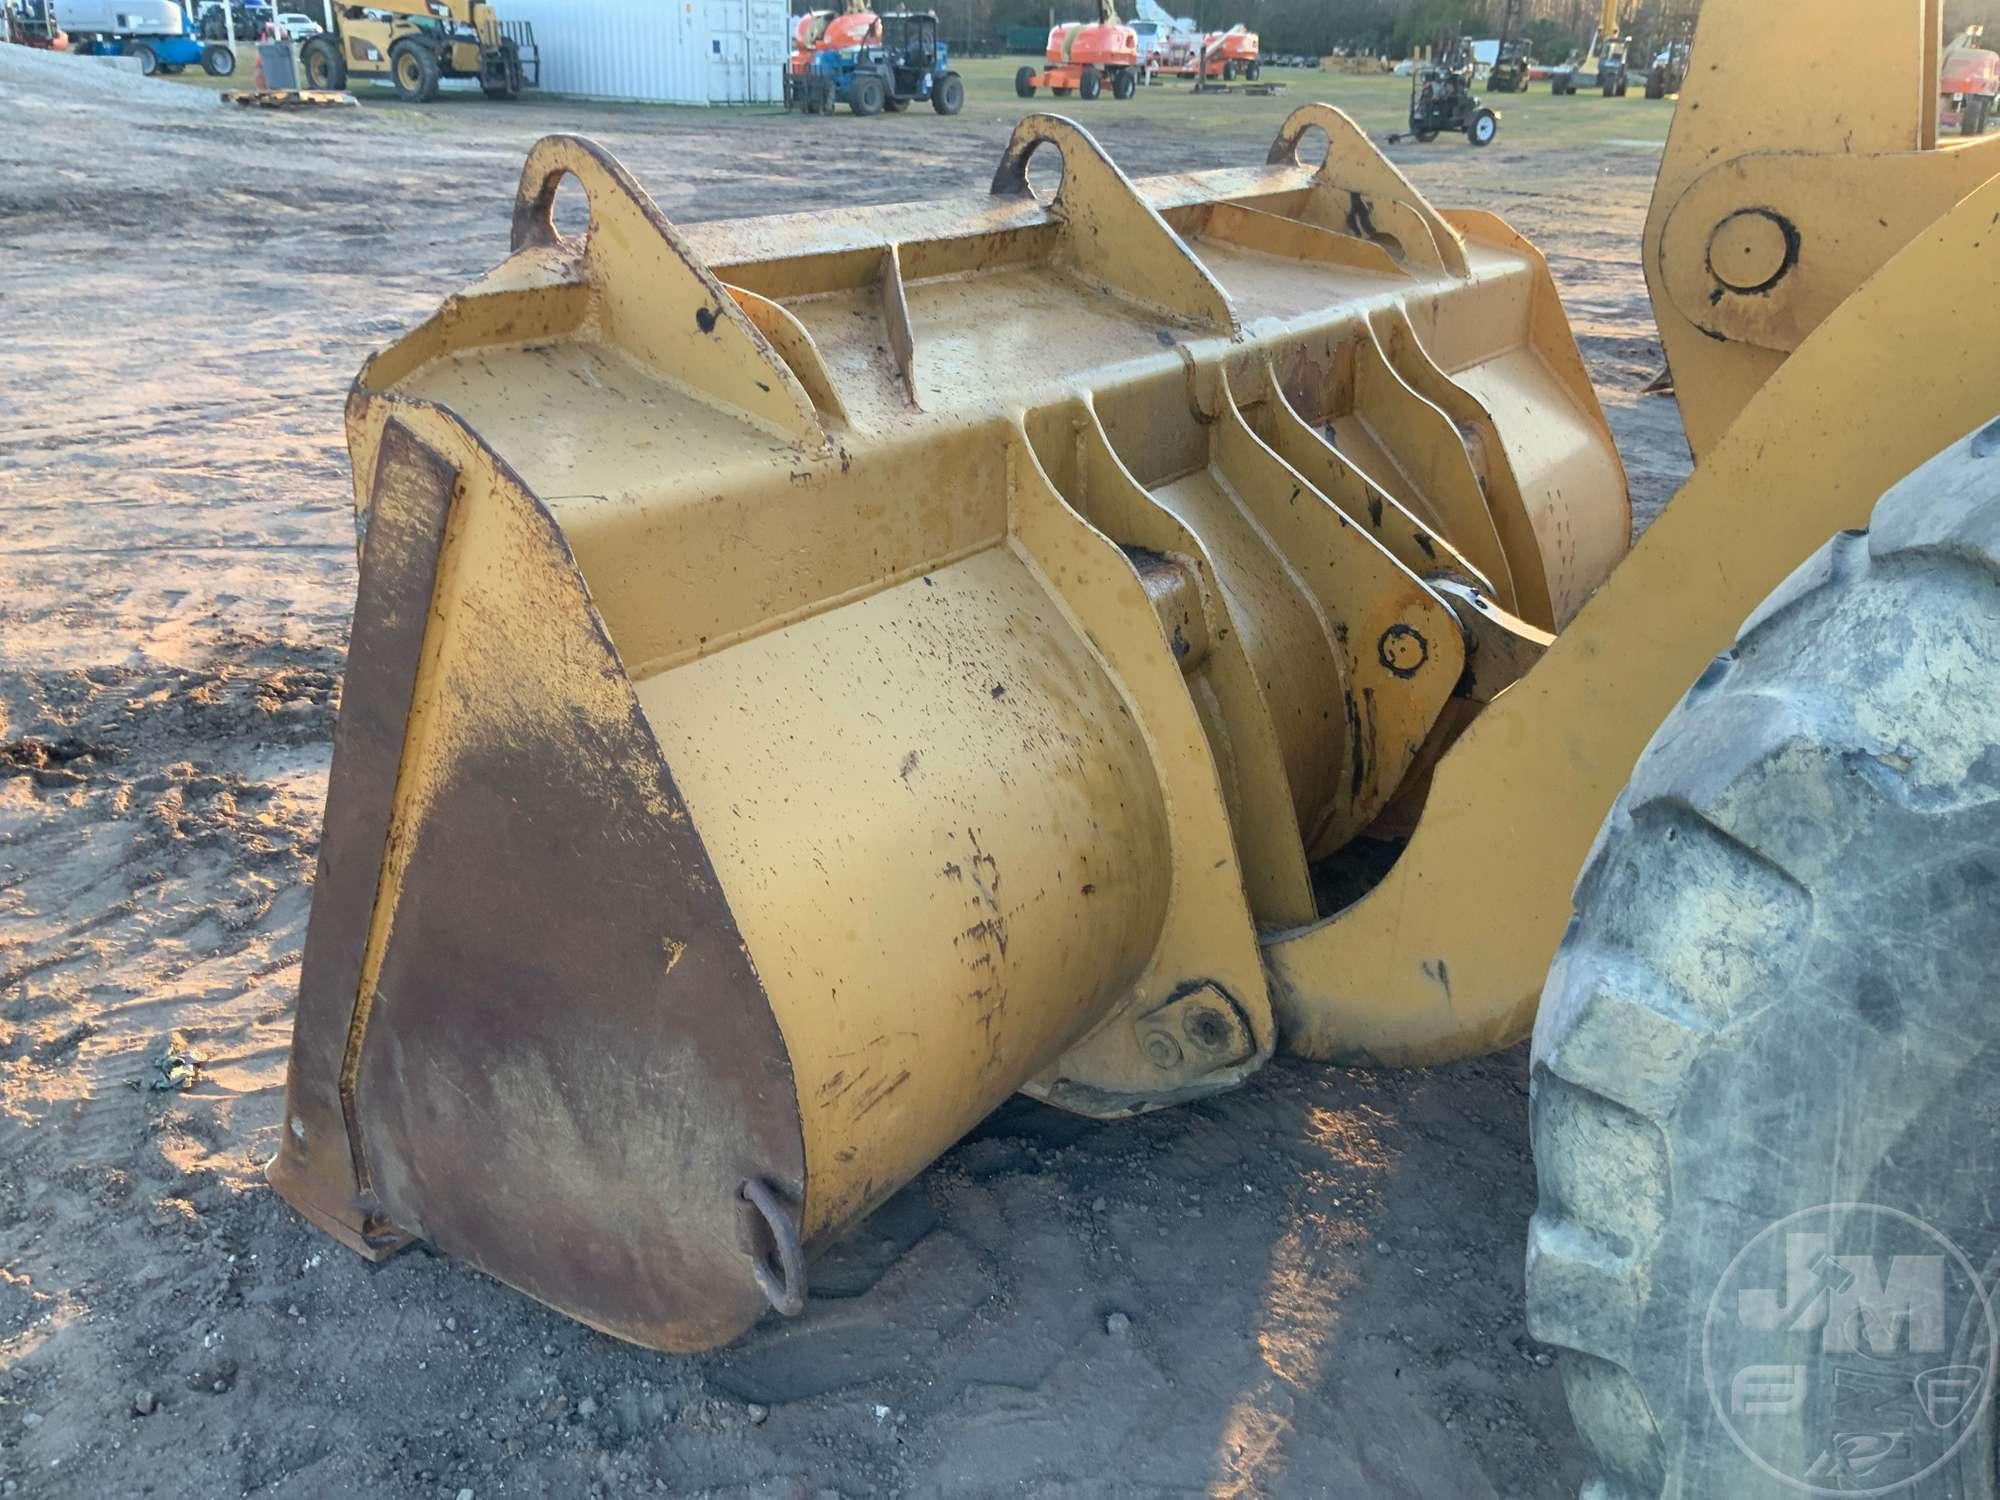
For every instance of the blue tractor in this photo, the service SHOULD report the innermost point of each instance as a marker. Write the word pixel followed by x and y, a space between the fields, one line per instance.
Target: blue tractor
pixel 903 63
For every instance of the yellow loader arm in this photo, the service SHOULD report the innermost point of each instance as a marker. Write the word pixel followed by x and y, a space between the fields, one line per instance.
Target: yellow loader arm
pixel 1812 279
pixel 1771 210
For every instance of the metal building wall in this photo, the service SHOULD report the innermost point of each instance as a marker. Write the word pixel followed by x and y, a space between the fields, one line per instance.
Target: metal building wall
pixel 659 51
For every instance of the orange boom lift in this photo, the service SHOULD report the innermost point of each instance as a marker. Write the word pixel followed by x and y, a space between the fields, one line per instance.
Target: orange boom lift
pixel 829 31
pixel 1229 55
pixel 1085 56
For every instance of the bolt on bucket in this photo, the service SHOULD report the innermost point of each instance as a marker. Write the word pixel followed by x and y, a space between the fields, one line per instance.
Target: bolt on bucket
pixel 815 676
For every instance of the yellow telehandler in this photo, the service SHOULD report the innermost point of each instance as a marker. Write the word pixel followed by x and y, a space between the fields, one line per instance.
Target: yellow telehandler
pixel 416 43
pixel 814 676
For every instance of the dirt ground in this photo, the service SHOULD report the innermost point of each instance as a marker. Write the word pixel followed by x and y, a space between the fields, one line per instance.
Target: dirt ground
pixel 1311 1287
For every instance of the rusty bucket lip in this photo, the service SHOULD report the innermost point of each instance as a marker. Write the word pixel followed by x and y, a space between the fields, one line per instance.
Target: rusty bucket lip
pixel 350 1156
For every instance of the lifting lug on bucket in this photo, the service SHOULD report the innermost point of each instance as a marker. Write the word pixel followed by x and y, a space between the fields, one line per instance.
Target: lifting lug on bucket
pixel 778 1261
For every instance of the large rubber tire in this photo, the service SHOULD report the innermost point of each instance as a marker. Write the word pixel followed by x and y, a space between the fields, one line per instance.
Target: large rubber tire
pixel 867 96
pixel 1125 83
pixel 1483 127
pixel 1972 118
pixel 1253 70
pixel 1089 83
pixel 1778 993
pixel 1229 70
pixel 217 61
pixel 1024 83
pixel 414 71
pixel 149 60
pixel 948 94
pixel 321 63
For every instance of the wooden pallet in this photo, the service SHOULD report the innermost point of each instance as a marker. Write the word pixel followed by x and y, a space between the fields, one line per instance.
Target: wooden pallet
pixel 290 98
pixel 1211 87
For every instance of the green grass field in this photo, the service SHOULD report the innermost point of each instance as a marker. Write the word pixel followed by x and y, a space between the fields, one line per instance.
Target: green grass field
pixel 1378 104
pixel 1531 121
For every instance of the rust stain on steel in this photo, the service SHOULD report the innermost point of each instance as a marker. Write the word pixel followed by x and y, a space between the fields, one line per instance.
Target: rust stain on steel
pixel 523 1028
pixel 413 489
pixel 880 1091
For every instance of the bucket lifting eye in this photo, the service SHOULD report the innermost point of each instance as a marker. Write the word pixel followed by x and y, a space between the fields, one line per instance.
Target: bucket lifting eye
pixel 778 1260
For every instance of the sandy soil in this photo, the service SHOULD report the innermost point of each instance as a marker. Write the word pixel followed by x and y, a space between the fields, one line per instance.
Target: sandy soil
pixel 1312 1287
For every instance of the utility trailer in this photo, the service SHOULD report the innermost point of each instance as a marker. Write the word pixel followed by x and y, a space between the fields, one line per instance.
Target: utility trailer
pixel 1442 101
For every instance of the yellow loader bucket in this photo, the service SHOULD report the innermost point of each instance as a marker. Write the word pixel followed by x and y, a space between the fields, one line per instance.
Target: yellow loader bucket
pixel 815 676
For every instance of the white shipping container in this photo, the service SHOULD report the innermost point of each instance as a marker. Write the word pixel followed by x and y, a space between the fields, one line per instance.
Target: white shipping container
pixel 660 51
